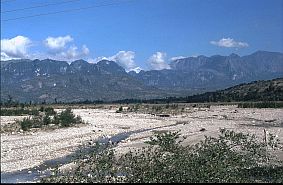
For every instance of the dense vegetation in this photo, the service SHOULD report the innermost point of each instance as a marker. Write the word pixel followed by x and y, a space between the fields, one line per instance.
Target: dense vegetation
pixel 64 119
pixel 40 118
pixel 231 157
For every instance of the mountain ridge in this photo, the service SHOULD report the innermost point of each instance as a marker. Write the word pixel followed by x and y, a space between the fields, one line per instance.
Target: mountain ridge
pixel 47 80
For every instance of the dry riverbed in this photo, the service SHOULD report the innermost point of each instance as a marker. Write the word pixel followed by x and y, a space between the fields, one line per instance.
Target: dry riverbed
pixel 25 150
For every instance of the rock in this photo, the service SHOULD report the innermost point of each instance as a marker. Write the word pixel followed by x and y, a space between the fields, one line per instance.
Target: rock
pixel 202 129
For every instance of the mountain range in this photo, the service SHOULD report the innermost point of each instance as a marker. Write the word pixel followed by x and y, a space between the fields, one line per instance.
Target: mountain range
pixel 50 80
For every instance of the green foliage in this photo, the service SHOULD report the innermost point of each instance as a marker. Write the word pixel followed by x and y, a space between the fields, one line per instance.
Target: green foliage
pixel 26 124
pixel 120 110
pixel 265 104
pixel 166 141
pixel 55 120
pixel 18 112
pixel 67 118
pixel 49 111
pixel 41 109
pixel 22 111
pixel 46 120
pixel 231 157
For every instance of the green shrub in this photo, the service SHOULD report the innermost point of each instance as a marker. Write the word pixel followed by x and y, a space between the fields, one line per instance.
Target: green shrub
pixel 119 110
pixel 49 111
pixel 41 109
pixel 26 124
pixel 55 120
pixel 46 120
pixel 232 157
pixel 67 118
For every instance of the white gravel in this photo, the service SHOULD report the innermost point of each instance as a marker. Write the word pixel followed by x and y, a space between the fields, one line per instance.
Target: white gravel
pixel 21 151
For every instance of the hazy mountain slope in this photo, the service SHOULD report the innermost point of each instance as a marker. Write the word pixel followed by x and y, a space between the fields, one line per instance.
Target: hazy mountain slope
pixel 46 80
pixel 215 72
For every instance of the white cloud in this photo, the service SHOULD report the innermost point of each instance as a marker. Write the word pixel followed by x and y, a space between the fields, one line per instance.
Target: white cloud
pixel 177 58
pixel 137 69
pixel 158 61
pixel 99 59
pixel 57 43
pixel 59 48
pixel 229 43
pixel 91 60
pixel 15 48
pixel 71 54
pixel 126 59
pixel 85 50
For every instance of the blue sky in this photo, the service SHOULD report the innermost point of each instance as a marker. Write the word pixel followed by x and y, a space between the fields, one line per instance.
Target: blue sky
pixel 141 33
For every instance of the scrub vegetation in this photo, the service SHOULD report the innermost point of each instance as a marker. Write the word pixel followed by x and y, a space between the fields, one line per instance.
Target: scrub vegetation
pixel 230 157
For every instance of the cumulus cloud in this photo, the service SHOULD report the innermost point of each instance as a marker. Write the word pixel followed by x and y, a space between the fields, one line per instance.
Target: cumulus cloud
pixel 60 48
pixel 57 43
pixel 158 61
pixel 85 50
pixel 229 43
pixel 126 59
pixel 71 54
pixel 15 48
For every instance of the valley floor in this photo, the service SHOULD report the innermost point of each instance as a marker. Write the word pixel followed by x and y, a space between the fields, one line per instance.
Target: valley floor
pixel 20 151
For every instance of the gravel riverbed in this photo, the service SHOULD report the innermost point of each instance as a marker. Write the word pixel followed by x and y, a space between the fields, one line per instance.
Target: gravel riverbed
pixel 20 151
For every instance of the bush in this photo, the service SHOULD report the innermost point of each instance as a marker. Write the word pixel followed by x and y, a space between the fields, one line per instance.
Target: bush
pixel 119 110
pixel 46 120
pixel 49 111
pixel 41 109
pixel 67 118
pixel 26 124
pixel 232 157
pixel 55 120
